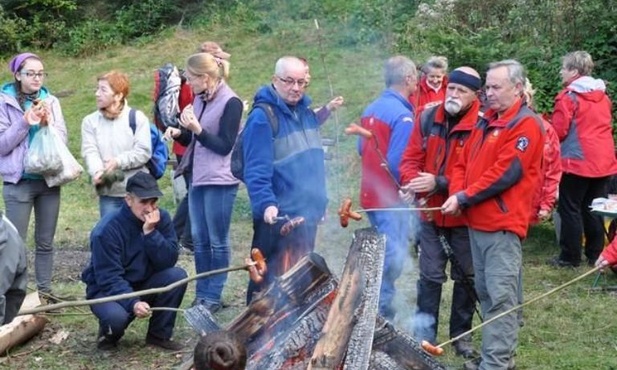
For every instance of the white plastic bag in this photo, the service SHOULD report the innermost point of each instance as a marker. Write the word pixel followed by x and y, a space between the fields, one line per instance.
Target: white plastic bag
pixel 71 169
pixel 43 157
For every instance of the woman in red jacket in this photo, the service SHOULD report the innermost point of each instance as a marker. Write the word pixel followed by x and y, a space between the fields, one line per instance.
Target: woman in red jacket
pixel 582 119
pixel 432 86
pixel 546 193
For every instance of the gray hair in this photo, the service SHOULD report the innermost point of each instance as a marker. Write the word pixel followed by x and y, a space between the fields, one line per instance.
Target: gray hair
pixel 580 61
pixel 436 62
pixel 516 71
pixel 397 69
pixel 285 63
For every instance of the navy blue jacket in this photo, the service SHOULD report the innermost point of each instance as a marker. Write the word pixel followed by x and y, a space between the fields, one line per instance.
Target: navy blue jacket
pixel 287 171
pixel 123 257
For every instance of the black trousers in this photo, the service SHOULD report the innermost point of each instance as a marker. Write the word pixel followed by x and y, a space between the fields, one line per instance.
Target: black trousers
pixel 575 196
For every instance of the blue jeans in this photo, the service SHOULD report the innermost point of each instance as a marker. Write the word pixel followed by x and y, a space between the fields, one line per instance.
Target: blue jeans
pixel 109 204
pixel 210 208
pixel 395 225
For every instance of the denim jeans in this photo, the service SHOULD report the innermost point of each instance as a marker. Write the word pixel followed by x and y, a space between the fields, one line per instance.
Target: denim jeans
pixel 109 204
pixel 19 200
pixel 210 208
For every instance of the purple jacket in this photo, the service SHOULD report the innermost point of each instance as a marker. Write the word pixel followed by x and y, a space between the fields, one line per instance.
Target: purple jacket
pixel 14 131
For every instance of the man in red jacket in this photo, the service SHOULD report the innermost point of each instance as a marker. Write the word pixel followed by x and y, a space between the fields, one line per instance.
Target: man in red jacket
pixel 582 119
pixel 435 146
pixel 493 183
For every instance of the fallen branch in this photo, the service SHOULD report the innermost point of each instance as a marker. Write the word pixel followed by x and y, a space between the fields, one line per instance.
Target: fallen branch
pixel 113 298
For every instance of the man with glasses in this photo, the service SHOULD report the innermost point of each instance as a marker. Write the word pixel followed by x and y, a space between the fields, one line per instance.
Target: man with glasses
pixel 284 169
pixel 390 119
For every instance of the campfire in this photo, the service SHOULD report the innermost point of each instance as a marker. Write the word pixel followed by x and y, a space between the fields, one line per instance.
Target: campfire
pixel 309 319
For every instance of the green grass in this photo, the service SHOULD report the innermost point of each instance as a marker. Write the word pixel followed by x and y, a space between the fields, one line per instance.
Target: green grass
pixel 572 329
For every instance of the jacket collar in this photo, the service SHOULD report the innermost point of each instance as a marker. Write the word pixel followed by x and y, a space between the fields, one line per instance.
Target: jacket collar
pixel 501 121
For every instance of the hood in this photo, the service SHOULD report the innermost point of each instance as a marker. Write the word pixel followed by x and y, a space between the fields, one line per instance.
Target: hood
pixel 588 88
pixel 267 94
pixel 9 89
pixel 587 84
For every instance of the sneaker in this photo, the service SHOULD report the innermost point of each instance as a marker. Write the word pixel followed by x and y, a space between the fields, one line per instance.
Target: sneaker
pixel 106 344
pixel 464 348
pixel 167 344
pixel 558 262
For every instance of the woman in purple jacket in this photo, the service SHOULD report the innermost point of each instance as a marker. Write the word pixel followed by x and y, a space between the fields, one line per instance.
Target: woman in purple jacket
pixel 19 121
pixel 212 123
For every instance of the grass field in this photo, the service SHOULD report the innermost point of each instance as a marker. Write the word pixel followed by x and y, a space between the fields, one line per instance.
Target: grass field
pixel 569 330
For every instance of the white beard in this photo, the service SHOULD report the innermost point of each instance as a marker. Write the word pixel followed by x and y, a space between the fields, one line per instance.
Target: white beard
pixel 452 106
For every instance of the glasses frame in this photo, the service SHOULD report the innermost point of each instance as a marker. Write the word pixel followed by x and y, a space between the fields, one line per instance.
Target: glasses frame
pixel 290 82
pixel 32 74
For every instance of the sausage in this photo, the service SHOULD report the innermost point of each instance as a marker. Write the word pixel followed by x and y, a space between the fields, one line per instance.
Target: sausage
pixel 291 224
pixel 343 212
pixel 253 273
pixel 260 261
pixel 354 129
pixel 431 349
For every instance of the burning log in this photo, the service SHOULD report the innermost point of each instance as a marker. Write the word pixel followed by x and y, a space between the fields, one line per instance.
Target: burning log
pixel 23 327
pixel 351 321
pixel 401 348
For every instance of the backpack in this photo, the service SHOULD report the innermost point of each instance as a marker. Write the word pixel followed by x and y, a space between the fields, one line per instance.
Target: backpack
pixel 167 84
pixel 160 153
pixel 237 154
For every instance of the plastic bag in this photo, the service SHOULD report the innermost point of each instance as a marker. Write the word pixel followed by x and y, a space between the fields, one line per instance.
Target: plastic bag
pixel 71 169
pixel 43 157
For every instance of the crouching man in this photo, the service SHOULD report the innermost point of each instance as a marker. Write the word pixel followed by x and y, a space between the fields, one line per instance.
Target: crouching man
pixel 13 274
pixel 135 248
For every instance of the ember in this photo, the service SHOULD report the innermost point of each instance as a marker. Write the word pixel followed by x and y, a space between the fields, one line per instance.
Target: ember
pixel 307 319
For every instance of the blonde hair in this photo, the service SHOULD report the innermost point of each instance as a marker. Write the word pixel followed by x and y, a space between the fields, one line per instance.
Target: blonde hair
pixel 580 61
pixel 528 92
pixel 207 64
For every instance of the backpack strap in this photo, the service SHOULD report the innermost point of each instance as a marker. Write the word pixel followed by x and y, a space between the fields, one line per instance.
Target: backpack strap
pixel 274 122
pixel 132 120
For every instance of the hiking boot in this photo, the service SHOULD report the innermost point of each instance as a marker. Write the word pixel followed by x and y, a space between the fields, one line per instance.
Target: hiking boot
pixel 106 344
pixel 464 348
pixel 558 262
pixel 167 344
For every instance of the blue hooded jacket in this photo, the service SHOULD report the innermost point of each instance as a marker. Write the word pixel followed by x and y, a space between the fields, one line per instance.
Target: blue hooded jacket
pixel 287 170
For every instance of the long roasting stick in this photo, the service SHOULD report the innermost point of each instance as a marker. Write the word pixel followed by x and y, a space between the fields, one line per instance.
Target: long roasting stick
pixel 139 293
pixel 438 349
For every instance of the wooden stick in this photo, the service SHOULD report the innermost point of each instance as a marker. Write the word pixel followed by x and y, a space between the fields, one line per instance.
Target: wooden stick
pixel 139 293
pixel 402 209
pixel 507 312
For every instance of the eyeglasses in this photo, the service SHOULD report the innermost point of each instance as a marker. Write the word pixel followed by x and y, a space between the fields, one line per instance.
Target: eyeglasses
pixel 289 82
pixel 32 74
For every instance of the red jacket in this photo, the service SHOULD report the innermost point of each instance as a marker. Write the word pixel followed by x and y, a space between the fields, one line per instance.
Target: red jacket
pixel 434 150
pixel 499 170
pixel 546 192
pixel 185 98
pixel 582 120
pixel 426 95
pixel 610 253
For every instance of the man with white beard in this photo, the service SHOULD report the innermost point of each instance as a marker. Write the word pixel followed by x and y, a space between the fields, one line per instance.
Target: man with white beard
pixel 433 149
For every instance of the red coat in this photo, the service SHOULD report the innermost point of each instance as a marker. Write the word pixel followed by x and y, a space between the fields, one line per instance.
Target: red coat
pixel 546 192
pixel 426 95
pixel 610 252
pixel 185 98
pixel 437 153
pixel 499 170
pixel 582 120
